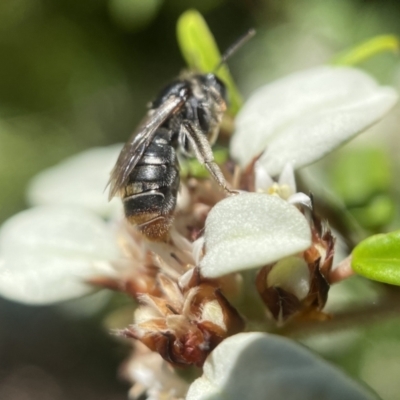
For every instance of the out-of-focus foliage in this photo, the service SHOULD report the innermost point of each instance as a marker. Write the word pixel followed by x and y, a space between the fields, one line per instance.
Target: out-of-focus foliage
pixel 134 14
pixel 314 33
pixel 367 50
pixel 362 178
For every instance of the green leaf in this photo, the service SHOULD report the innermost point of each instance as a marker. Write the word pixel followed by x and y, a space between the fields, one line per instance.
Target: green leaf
pixel 200 51
pixel 378 258
pixel 367 49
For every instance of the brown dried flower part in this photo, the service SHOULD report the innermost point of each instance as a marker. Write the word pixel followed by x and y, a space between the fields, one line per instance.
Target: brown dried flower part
pixel 247 179
pixel 186 323
pixel 319 258
pixel 298 286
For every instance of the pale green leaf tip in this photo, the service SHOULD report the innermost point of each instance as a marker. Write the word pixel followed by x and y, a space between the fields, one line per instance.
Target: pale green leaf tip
pixel 201 53
pixel 367 50
pixel 190 16
pixel 196 42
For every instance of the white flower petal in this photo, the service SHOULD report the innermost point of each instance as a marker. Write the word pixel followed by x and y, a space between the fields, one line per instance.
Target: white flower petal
pixel 184 279
pixel 212 311
pixel 261 366
pixel 263 180
pixel 300 198
pixel 197 249
pixel 291 274
pixel 287 177
pixel 79 180
pixel 304 116
pixel 46 253
pixel 250 230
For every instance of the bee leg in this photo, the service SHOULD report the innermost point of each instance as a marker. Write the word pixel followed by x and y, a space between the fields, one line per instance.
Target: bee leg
pixel 202 150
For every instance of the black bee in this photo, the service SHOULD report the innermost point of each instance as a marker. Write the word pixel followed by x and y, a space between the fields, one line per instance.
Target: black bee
pixel 186 115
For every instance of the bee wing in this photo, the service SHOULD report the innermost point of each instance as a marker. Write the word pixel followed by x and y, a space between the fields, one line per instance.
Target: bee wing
pixel 133 150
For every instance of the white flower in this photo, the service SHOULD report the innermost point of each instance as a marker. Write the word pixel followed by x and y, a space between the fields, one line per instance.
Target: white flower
pixel 251 230
pixel 285 187
pixel 304 116
pixel 79 180
pixel 48 252
pixel 261 366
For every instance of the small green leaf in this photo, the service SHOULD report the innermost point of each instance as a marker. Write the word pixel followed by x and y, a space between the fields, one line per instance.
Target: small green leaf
pixel 367 49
pixel 378 258
pixel 200 51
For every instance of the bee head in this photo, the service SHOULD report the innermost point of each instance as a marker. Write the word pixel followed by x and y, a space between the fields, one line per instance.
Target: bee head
pixel 211 81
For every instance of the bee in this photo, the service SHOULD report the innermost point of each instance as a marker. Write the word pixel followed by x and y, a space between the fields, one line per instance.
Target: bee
pixel 185 117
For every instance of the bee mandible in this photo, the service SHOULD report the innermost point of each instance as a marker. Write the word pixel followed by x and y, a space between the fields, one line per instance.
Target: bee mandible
pixel 185 117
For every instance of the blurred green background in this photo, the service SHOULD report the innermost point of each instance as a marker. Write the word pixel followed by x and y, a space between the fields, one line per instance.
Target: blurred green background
pixel 76 74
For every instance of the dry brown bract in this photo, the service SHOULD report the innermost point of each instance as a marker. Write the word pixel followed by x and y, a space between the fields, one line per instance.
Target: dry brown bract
pixel 186 323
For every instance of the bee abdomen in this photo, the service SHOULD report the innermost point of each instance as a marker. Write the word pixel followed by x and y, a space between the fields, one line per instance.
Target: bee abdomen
pixel 160 201
pixel 150 195
pixel 152 211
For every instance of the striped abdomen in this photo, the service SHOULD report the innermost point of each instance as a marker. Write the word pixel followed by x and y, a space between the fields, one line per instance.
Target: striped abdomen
pixel 150 196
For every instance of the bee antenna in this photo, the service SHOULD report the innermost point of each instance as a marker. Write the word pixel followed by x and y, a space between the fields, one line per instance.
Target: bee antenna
pixel 234 47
